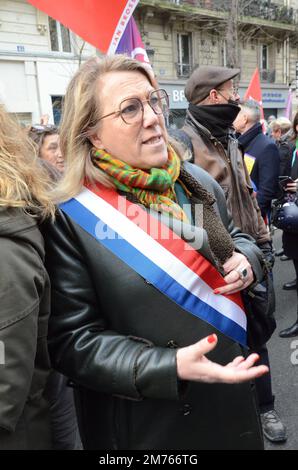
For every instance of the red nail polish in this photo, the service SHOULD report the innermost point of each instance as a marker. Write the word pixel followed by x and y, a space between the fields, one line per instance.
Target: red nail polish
pixel 216 291
pixel 211 338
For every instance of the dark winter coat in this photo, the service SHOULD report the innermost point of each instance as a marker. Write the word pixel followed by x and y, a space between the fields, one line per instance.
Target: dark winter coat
pixel 24 311
pixel 286 148
pixel 115 336
pixel 290 240
pixel 228 169
pixel 265 171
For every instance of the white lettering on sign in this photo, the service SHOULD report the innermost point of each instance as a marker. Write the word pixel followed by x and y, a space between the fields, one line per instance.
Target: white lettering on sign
pixel 178 95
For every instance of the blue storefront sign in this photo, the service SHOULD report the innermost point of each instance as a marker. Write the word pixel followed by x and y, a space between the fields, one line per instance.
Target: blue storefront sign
pixel 176 95
pixel 272 97
pixel 275 99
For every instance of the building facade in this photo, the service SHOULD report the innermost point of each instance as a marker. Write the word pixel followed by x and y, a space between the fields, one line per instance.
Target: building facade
pixel 182 34
pixel 38 55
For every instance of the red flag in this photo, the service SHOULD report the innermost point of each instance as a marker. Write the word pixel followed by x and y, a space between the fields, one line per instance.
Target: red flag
pixel 254 91
pixel 101 23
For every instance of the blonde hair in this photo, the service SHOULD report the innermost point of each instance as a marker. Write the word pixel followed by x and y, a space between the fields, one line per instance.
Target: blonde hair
pixel 285 124
pixel 23 182
pixel 81 112
pixel 282 123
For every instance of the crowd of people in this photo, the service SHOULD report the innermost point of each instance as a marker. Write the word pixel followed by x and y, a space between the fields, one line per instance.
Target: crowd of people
pixel 113 337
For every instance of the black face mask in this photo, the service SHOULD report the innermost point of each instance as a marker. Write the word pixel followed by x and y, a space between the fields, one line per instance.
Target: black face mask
pixel 217 118
pixel 229 100
pixel 222 115
pixel 234 102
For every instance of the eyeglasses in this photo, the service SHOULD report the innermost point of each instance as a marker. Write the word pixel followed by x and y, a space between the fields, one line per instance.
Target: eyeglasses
pixel 131 110
pixel 233 90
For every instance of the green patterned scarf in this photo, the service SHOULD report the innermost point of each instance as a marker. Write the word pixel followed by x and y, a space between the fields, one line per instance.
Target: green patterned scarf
pixel 153 188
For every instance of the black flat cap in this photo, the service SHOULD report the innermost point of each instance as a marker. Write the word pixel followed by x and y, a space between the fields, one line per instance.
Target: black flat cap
pixel 204 79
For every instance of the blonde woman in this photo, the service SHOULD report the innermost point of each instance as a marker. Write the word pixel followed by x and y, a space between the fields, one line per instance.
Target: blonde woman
pixel 24 293
pixel 119 327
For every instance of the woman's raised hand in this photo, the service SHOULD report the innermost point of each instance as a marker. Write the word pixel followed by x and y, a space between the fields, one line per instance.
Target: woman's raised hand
pixel 192 364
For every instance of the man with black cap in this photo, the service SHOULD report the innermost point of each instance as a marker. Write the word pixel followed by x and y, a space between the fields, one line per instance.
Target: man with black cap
pixel 213 107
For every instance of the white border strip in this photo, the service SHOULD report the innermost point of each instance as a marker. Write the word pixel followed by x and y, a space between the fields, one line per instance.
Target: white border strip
pixel 122 23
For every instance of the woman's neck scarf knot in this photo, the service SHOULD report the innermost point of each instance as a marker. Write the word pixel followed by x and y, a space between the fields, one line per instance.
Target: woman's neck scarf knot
pixel 153 188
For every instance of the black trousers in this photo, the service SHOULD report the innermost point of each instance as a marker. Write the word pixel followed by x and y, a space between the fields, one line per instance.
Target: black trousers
pixel 264 383
pixel 64 426
pixel 295 262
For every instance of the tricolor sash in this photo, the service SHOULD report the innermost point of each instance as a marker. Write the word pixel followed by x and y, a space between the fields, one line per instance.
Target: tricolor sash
pixel 168 262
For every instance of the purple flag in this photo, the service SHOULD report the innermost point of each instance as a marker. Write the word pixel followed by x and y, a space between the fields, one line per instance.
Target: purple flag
pixel 132 44
pixel 288 113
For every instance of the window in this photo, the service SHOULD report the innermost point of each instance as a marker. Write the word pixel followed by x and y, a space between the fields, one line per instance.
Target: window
pixel 266 74
pixel 264 56
pixel 176 118
pixel 57 108
pixel 184 54
pixel 60 36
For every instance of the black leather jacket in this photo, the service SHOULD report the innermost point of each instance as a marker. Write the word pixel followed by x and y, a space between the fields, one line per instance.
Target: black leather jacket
pixel 115 336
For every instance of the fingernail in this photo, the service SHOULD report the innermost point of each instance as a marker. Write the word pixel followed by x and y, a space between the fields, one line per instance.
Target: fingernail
pixel 216 291
pixel 211 338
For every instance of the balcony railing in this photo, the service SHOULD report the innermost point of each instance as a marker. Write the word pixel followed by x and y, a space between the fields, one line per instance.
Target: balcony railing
pixel 183 70
pixel 262 9
pixel 267 76
pixel 270 11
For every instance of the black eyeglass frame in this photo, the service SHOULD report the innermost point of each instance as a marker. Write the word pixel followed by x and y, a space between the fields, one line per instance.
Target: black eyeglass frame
pixel 234 88
pixel 119 112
